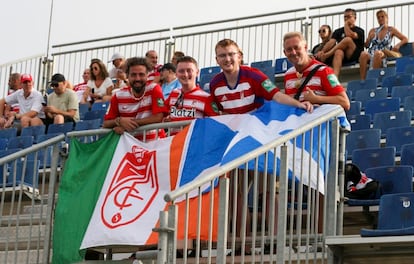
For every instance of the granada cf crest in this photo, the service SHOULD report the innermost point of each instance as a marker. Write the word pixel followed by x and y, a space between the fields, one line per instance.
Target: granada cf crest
pixel 132 190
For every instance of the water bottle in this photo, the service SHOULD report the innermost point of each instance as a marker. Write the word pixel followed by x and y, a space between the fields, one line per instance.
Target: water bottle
pixel 284 65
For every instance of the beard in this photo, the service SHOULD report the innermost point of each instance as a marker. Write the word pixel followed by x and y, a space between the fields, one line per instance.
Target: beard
pixel 138 86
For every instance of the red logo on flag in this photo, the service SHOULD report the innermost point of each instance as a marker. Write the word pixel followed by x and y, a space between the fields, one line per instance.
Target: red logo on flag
pixel 133 188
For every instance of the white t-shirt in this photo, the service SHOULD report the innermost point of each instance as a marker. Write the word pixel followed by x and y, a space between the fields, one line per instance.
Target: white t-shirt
pixel 101 90
pixel 32 103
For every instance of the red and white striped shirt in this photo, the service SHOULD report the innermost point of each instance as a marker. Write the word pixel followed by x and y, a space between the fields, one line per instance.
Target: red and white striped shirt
pixel 252 87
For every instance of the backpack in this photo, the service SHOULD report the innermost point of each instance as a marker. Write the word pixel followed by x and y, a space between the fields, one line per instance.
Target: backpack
pixel 358 185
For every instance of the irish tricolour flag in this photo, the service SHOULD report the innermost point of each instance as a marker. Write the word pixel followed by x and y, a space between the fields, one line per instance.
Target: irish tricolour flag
pixel 112 190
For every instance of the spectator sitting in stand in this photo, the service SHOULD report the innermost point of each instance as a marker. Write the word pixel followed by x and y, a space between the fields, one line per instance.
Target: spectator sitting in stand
pixel 14 84
pixel 62 104
pixel 176 56
pixel 100 85
pixel 80 88
pixel 346 43
pixel 117 73
pixel 379 40
pixel 169 79
pixel 30 105
pixel 325 33
pixel 152 59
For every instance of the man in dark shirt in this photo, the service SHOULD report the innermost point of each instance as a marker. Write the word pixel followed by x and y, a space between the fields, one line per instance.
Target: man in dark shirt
pixel 346 43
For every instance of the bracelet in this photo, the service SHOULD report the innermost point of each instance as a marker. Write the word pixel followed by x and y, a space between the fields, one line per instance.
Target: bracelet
pixel 118 121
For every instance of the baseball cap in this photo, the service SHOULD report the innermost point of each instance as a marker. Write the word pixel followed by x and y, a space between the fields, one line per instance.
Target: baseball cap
pixel 26 77
pixel 116 56
pixel 168 66
pixel 56 78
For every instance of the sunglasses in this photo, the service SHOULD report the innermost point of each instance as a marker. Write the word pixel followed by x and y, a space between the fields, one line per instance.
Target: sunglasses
pixel 95 68
pixel 54 85
pixel 322 31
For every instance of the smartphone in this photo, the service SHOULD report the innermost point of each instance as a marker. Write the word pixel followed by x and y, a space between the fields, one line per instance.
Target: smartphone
pixel 93 90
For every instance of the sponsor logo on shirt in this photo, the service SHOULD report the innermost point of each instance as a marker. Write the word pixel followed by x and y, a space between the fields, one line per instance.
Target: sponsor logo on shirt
pixel 160 102
pixel 268 85
pixel 182 112
pixel 333 80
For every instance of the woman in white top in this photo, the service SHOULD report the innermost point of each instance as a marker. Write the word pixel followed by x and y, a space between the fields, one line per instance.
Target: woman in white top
pixel 99 87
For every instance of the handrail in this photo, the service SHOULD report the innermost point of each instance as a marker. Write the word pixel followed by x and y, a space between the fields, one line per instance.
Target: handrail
pixel 173 195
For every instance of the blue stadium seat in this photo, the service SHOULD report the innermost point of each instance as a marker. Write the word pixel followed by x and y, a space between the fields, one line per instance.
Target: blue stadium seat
pixel 83 108
pixel 395 216
pixel 360 139
pixel 88 124
pixel 387 120
pixel 20 142
pixel 360 122
pixel 380 74
pixel 355 108
pixel 205 79
pixel 398 136
pixel 212 69
pixel 409 103
pixel 392 179
pixel 407 49
pixel 382 105
pixel 282 65
pixel 402 92
pixel 34 131
pixel 3 143
pixel 365 95
pixel 409 69
pixel 100 106
pixel 26 172
pixel 262 64
pixel 373 157
pixel 8 132
pixel 397 80
pixel 401 63
pixel 96 114
pixel 407 154
pixel 356 85
pixel 60 128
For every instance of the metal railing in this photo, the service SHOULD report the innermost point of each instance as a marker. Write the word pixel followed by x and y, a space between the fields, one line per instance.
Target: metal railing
pixel 260 38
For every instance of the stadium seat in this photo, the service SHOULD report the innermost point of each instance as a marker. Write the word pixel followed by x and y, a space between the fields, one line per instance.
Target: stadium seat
pixel 373 157
pixel 402 92
pixel 407 49
pixel 392 179
pixel 282 65
pixel 212 69
pixel 262 64
pixel 3 143
pixel 88 124
pixel 205 79
pixel 407 154
pixel 26 172
pixel 34 131
pixel 365 95
pixel 382 105
pixel 395 216
pixel 355 108
pixel 100 106
pixel 360 122
pixel 60 128
pixel 409 103
pixel 398 136
pixel 397 80
pixel 361 139
pixel 380 74
pixel 8 132
pixel 96 114
pixel 20 142
pixel 387 120
pixel 356 85
pixel 83 108
pixel 401 63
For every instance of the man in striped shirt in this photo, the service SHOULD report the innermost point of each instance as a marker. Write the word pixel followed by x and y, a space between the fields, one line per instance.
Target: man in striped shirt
pixel 137 104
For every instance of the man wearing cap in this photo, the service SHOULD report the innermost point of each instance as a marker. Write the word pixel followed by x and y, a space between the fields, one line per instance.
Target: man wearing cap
pixel 62 104
pixel 168 79
pixel 117 73
pixel 30 105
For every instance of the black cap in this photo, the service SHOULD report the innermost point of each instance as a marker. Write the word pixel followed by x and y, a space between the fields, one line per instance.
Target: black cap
pixel 168 66
pixel 56 78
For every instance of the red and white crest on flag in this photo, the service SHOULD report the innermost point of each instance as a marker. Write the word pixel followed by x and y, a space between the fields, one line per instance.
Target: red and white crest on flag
pixel 133 188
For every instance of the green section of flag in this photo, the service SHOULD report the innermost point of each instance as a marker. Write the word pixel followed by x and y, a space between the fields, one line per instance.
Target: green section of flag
pixel 80 187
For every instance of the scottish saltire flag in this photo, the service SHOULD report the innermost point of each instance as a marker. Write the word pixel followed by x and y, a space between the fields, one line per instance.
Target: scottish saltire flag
pixel 112 190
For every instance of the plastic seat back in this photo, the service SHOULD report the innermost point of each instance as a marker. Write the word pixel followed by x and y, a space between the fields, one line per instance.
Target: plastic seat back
pixel 373 157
